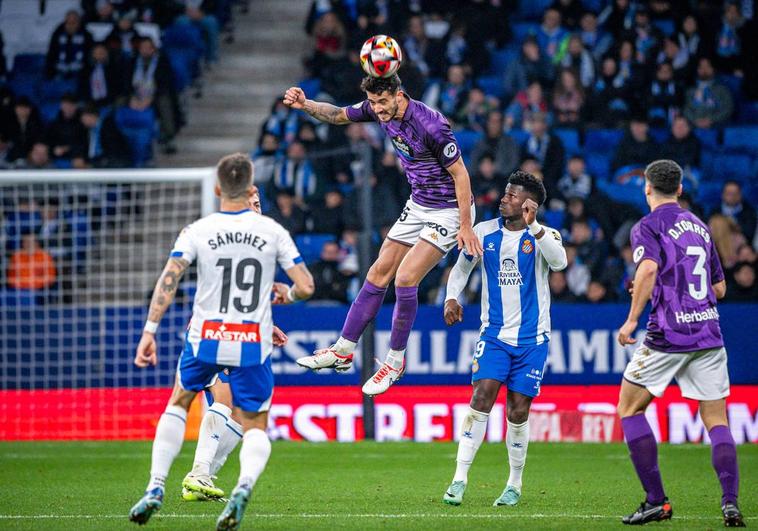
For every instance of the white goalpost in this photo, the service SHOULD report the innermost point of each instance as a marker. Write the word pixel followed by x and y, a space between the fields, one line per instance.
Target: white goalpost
pixel 81 252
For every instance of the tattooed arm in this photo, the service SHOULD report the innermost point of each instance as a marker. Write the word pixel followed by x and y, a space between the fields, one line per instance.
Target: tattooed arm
pixel 163 296
pixel 325 112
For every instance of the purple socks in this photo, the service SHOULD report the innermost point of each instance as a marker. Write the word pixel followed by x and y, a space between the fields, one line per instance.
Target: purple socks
pixel 644 453
pixel 364 308
pixel 403 316
pixel 724 459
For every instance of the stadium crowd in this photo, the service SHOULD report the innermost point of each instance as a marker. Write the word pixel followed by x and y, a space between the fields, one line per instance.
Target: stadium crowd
pixel 582 93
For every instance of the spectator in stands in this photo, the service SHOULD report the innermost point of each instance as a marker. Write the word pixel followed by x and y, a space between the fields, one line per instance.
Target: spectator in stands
pixel 679 58
pixel 473 114
pixel 616 17
pixel 384 206
pixel 529 164
pixel 341 78
pixel 200 13
pixel 330 41
pixel 450 95
pixel 576 182
pixel 635 148
pixel 5 150
pixel 283 122
pixel 265 157
pixel 31 267
pixel 38 158
pixel 646 37
pixel 388 171
pixel 551 33
pixel 26 129
pixel 685 201
pixel 591 252
pixel 729 48
pixel 102 80
pixel 123 39
pixel 741 283
pixel 580 60
pixel 568 99
pixel 530 65
pixel 487 187
pixel 331 283
pixel 559 290
pixel 501 147
pixel 288 214
pixel 152 83
pixel 597 292
pixel 727 238
pixel 736 208
pixel 69 48
pixel 65 131
pixel 595 40
pixel 547 149
pixel 527 102
pixel 689 39
pixel 577 273
pixel 664 97
pixel 101 145
pixel 630 72
pixel 683 146
pixel 571 12
pixel 609 103
pixel 422 50
pixel 708 103
pixel 330 217
pixel 294 174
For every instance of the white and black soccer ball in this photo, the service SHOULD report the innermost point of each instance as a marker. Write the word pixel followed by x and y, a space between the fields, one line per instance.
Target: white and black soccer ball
pixel 381 56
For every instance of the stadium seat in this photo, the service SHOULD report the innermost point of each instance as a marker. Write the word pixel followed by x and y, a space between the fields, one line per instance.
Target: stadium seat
pixel 594 5
pixel 554 218
pixel 54 89
pixel 500 59
pixel 570 140
pixel 519 135
pixel 25 85
pixel 748 112
pixel 139 129
pixel 532 9
pixel 734 84
pixel 310 245
pixel 598 165
pixel 731 166
pixel 744 138
pixel 311 86
pixel 665 25
pixel 184 36
pixel 521 30
pixel 659 135
pixel 184 64
pixel 467 139
pixel 709 138
pixel 629 193
pixel 709 195
pixel 29 64
pixel 602 140
pixel 491 85
pixel 49 110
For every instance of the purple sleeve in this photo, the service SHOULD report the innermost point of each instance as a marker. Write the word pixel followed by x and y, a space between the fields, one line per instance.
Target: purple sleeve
pixel 443 144
pixel 644 244
pixel 360 112
pixel 717 272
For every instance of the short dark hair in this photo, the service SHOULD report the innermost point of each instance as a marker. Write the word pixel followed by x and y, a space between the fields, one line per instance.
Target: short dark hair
pixel 235 175
pixel 530 183
pixel 664 176
pixel 377 85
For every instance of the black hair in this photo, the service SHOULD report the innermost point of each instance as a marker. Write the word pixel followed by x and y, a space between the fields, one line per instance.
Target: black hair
pixel 530 183
pixel 665 176
pixel 377 85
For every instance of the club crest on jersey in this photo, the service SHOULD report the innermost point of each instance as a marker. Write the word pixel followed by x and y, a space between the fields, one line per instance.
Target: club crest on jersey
pixel 241 332
pixel 402 146
pixel 527 247
pixel 509 274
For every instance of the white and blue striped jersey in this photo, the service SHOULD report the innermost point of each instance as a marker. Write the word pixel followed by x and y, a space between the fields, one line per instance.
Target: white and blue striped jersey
pixel 515 289
pixel 237 254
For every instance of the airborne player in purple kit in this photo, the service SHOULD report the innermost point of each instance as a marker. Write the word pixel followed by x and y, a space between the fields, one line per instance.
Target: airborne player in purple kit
pixel 436 218
pixel 678 268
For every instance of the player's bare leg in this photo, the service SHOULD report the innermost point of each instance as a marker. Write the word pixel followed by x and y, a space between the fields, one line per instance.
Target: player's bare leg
pixel 723 458
pixel 218 436
pixel 472 433
pixel 363 310
pixel 643 450
pixel 421 258
pixel 254 454
pixel 169 435
pixel 517 442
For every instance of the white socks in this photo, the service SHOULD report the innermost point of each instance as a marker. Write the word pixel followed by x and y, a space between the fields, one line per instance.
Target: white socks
pixel 472 434
pixel 167 443
pixel 344 346
pixel 212 428
pixel 231 435
pixel 395 359
pixel 256 448
pixel 517 441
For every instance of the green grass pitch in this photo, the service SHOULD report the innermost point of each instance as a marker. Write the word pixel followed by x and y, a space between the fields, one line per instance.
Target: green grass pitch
pixel 85 485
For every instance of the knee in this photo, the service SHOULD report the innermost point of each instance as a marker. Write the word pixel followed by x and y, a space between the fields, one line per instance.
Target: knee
pixel 481 402
pixel 379 275
pixel 406 278
pixel 625 409
pixel 518 414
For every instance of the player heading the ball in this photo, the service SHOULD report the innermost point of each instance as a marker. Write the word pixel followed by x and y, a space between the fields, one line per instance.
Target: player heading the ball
pixel 678 269
pixel 437 217
pixel 237 251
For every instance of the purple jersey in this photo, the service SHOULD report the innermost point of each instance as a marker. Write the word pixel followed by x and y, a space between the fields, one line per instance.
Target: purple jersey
pixel 426 146
pixel 684 317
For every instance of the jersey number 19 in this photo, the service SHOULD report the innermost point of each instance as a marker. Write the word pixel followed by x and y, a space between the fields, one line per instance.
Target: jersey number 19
pixel 242 284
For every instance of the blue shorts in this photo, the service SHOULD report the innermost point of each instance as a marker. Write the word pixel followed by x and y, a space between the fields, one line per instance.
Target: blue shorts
pixel 252 386
pixel 223 377
pixel 519 368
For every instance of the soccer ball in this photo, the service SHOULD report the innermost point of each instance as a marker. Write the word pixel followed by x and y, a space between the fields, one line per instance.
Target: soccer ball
pixel 381 56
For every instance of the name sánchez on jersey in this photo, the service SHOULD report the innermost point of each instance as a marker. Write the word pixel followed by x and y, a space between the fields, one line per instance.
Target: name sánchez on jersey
pixel 230 238
pixel 680 227
pixel 240 332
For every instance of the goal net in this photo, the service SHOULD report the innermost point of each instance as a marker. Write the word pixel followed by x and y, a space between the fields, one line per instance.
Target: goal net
pixel 82 251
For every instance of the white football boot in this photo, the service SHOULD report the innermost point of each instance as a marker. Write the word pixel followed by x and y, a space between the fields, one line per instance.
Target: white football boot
pixel 326 358
pixel 382 379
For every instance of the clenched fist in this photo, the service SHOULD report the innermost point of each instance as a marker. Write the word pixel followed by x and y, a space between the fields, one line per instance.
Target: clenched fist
pixel 294 97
